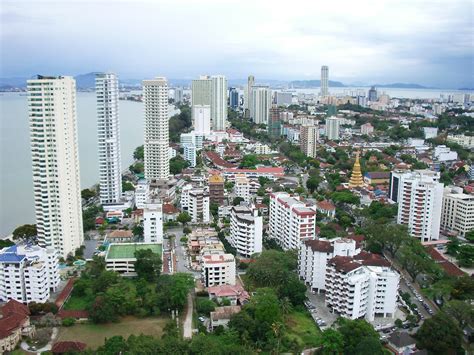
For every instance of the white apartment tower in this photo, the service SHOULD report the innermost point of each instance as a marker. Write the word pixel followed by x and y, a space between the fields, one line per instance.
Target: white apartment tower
pixel 332 128
pixel 202 119
pixel 246 228
pixel 155 97
pixel 219 102
pixel 248 92
pixel 28 273
pixel 55 162
pixel 218 269
pixel 153 222
pixel 291 221
pixel 457 214
pixel 108 130
pixel 309 135
pixel 261 103
pixel 324 80
pixel 420 196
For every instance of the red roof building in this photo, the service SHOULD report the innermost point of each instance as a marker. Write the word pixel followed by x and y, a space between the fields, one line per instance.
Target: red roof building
pixel 63 347
pixel 14 323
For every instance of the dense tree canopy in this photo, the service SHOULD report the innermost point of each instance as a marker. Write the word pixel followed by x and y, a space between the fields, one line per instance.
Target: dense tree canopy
pixel 26 232
pixel 148 264
pixel 439 335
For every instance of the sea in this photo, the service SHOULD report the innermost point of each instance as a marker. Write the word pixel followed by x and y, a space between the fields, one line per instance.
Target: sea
pixel 16 186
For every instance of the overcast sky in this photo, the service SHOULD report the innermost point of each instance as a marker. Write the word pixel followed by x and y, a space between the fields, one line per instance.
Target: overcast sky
pixel 382 41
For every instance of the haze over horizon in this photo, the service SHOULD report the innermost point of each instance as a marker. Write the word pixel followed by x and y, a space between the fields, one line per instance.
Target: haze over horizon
pixel 428 43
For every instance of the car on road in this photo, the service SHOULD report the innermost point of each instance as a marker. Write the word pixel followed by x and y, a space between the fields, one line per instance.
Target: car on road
pixel 202 319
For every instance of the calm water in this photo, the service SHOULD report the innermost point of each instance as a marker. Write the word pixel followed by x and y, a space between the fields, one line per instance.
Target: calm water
pixel 16 186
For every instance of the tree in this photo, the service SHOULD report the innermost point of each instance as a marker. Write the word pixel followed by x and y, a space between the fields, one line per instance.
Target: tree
pixel 5 243
pixel 466 255
pixel 183 218
pixel 172 290
pixel 354 332
pixel 439 335
pixel 461 312
pixel 453 246
pixel 249 161
pixel 102 311
pixel 237 200
pixel 88 193
pixel 332 342
pixel 148 264
pixel 399 323
pixel 127 186
pixel 139 153
pixel 137 230
pixel 205 306
pixel 26 233
pixel 177 165
pixel 312 183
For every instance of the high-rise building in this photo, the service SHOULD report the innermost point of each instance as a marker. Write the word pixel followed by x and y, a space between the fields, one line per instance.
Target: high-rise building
pixel 219 102
pixel 373 94
pixel 261 103
pixel 195 201
pixel 28 273
pixel 457 214
pixel 419 195
pixel 242 188
pixel 274 122
pixel 248 93
pixel 201 91
pixel 153 222
pixel 178 95
pixel 155 97
pixel 202 119
pixel 55 162
pixel 190 154
pixel 324 80
pixel 233 98
pixel 108 128
pixel 291 221
pixel 217 268
pixel 246 228
pixel 332 128
pixel 309 135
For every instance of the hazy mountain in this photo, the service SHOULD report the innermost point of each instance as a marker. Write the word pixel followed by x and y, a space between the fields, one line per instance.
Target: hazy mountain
pixel 402 86
pixel 305 84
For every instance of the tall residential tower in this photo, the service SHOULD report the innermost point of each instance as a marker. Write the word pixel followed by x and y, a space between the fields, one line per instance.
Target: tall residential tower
pixel 55 161
pixel 324 80
pixel 155 97
pixel 219 102
pixel 108 129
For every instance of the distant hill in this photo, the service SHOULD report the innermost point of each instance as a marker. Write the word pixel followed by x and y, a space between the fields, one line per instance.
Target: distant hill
pixel 304 84
pixel 402 86
pixel 85 81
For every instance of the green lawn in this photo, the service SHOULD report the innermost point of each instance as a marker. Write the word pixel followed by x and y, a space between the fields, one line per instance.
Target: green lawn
pixel 301 326
pixel 94 335
pixel 127 251
pixel 76 303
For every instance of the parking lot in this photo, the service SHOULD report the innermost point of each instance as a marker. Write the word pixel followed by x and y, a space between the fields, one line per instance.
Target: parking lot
pixel 320 313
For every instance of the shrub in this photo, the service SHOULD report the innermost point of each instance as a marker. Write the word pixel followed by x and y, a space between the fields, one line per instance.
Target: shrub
pixel 68 322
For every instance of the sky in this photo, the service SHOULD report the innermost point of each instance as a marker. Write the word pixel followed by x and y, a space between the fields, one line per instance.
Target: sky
pixel 364 41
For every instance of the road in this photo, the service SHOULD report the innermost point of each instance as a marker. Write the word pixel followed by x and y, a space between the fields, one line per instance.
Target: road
pixel 188 321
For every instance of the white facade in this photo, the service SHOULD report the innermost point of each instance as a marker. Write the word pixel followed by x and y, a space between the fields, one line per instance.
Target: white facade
pixel 248 92
pixel 28 273
pixel 219 102
pixel 153 222
pixel 261 103
pixel 108 129
pixel 309 135
pixel 332 128
pixel 155 98
pixel 314 255
pixel 463 140
pixel 178 95
pixel 419 197
pixel 246 230
pixel 190 154
pixel 262 149
pixel 366 129
pixel 142 193
pixel 324 80
pixel 457 214
pixel 218 269
pixel 242 188
pixel 291 221
pixel 196 202
pixel 443 153
pixel 55 162
pixel 430 132
pixel 202 119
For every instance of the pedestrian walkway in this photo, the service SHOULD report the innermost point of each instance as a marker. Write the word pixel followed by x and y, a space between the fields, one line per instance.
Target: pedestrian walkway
pixel 188 321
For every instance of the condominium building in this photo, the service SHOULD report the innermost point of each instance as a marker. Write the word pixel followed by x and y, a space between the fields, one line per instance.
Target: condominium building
pixel 202 119
pixel 233 98
pixel 195 201
pixel 313 257
pixel 217 269
pixel 419 195
pixel 242 187
pixel 332 128
pixel 190 154
pixel 283 98
pixel 153 222
pixel 216 189
pixel 155 97
pixel 367 129
pixel 246 228
pixel 178 95
pixel 324 80
pixel 110 172
pixel 309 135
pixel 201 91
pixel 248 92
pixel 28 273
pixel 261 103
pixel 55 162
pixel 142 193
pixel 274 122
pixel 219 102
pixel 463 140
pixel 291 220
pixel 361 286
pixel 457 214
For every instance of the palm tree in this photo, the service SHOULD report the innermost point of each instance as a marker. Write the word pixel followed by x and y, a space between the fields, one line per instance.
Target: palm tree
pixel 277 328
pixel 285 306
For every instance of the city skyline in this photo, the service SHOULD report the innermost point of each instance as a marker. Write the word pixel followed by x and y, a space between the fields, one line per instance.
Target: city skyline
pixel 378 43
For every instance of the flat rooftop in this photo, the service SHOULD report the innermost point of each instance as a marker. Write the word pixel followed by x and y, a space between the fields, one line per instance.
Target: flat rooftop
pixel 127 250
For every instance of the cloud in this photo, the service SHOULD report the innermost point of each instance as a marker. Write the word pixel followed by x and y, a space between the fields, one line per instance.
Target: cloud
pixel 365 40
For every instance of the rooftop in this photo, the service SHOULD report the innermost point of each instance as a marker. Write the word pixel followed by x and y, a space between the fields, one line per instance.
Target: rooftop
pixel 127 250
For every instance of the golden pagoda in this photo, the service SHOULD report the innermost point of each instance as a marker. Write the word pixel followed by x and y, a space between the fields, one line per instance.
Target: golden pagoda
pixel 356 179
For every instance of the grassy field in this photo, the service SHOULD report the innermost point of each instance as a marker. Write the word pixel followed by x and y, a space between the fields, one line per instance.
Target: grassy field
pixel 75 303
pixel 94 334
pixel 301 326
pixel 121 251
